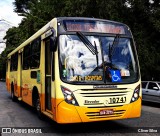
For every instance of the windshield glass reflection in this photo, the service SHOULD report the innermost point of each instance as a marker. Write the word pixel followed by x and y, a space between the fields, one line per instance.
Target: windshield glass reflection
pixel 80 65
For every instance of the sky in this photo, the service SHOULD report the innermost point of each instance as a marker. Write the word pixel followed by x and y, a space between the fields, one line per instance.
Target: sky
pixel 7 13
pixel 11 19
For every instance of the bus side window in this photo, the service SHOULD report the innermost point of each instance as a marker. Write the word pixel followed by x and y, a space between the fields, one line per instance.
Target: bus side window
pixel 26 57
pixel 35 53
pixel 14 62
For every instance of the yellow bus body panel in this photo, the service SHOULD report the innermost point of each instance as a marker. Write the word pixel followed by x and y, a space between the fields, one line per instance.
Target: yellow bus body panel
pixel 73 114
pixel 61 111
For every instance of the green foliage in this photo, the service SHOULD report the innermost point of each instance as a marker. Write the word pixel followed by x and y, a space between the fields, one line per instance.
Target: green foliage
pixel 142 16
pixel 3 58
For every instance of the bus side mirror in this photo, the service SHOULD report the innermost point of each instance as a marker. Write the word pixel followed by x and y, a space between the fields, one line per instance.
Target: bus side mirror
pixel 53 41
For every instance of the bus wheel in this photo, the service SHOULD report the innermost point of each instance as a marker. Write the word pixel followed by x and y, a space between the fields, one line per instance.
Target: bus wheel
pixel 13 97
pixel 38 109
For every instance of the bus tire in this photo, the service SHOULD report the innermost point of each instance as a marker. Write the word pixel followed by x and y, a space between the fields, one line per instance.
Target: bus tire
pixel 13 97
pixel 38 109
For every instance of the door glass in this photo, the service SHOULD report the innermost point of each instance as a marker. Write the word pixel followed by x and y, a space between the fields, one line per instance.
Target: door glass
pixel 47 75
pixel 151 85
pixel 144 84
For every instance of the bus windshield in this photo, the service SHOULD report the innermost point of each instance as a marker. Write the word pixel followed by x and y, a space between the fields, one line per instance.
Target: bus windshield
pixel 79 65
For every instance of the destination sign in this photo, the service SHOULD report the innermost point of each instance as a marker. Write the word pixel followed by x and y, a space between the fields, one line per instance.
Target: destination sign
pixel 94 26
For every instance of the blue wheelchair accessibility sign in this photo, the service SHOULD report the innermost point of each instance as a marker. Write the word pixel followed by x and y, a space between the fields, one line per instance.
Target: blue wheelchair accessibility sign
pixel 116 75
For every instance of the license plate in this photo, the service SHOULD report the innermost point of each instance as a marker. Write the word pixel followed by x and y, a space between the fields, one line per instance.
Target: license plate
pixel 106 112
pixel 115 100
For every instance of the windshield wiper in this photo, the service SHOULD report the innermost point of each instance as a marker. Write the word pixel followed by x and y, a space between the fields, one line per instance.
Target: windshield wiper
pixel 96 53
pixel 113 46
pixel 87 43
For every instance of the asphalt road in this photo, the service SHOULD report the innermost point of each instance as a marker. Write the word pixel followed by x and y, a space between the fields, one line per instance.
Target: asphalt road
pixel 20 115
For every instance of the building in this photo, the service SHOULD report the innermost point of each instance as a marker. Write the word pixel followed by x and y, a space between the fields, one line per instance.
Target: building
pixel 4 26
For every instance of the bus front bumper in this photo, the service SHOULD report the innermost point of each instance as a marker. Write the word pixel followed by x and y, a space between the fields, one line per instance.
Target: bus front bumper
pixel 67 113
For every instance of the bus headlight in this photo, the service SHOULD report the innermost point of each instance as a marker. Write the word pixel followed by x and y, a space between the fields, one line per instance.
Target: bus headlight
pixel 69 97
pixel 135 94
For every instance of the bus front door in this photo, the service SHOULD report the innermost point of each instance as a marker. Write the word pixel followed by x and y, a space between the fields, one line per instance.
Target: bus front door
pixel 48 58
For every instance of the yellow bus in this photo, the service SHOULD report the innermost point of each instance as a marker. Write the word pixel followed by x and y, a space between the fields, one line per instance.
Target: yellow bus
pixel 78 69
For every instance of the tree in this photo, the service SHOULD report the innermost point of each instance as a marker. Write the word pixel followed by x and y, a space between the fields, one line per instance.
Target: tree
pixel 142 16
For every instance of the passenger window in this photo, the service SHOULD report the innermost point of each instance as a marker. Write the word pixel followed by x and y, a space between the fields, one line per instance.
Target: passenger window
pixel 26 57
pixel 14 62
pixel 31 55
pixel 35 56
pixel 152 85
pixel 144 84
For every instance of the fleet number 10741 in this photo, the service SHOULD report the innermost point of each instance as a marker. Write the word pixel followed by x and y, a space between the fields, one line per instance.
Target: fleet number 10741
pixel 117 100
